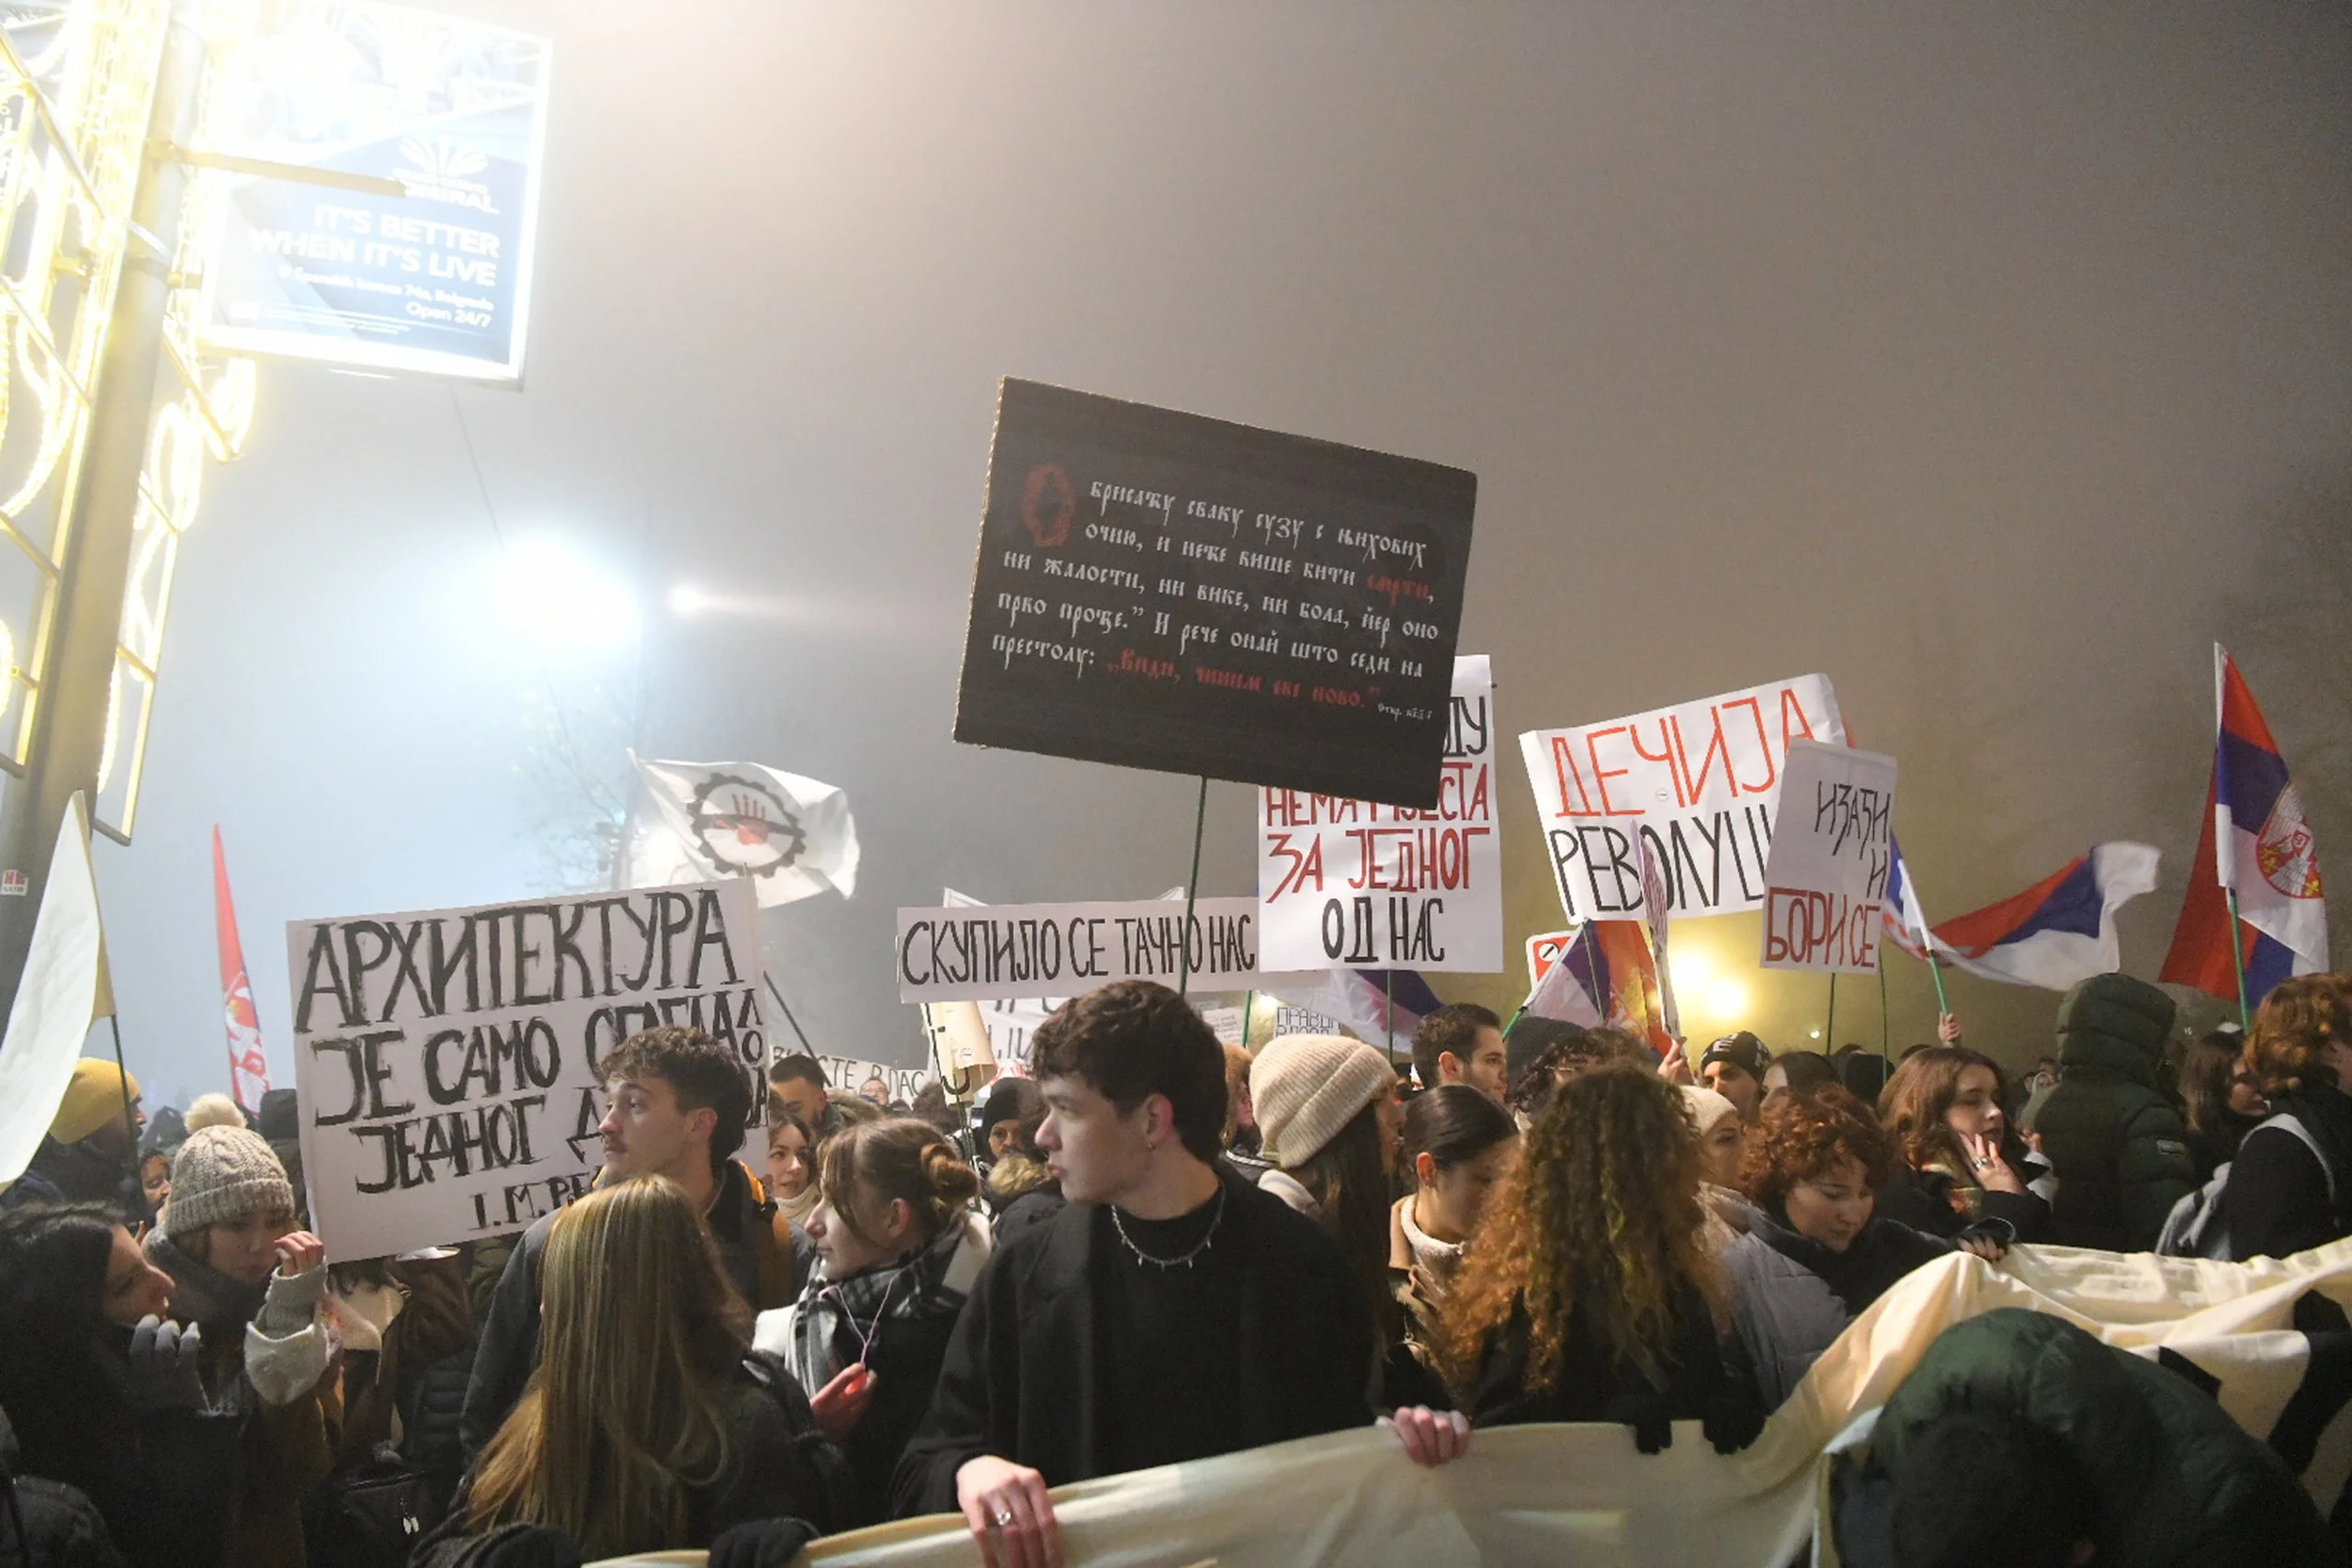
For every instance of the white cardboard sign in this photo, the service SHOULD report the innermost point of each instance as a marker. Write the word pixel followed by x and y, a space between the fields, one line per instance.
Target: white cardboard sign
pixel 1831 852
pixel 1702 781
pixel 448 1060
pixel 1356 884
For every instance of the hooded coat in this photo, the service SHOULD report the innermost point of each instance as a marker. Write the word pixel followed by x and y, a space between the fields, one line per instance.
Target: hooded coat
pixel 2179 1484
pixel 2116 1141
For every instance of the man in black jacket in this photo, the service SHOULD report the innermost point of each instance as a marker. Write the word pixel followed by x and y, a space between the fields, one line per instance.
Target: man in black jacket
pixel 680 1101
pixel 1169 1312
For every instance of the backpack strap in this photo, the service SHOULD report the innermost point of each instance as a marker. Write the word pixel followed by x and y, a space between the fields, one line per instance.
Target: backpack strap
pixel 2287 1122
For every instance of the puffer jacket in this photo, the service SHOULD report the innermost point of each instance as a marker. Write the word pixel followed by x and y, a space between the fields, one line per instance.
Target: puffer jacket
pixel 2178 1482
pixel 1791 1297
pixel 2117 1145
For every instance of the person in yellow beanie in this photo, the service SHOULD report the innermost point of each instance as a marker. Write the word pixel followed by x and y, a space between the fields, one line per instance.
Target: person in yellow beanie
pixel 90 1154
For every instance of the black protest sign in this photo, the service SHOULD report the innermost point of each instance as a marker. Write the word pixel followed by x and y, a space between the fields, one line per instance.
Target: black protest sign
pixel 448 1062
pixel 1158 590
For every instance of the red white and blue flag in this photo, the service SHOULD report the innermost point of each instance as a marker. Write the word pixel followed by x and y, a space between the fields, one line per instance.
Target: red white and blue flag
pixel 2055 934
pixel 2256 843
pixel 1606 976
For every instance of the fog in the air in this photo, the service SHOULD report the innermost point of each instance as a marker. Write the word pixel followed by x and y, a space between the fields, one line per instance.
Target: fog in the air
pixel 1994 360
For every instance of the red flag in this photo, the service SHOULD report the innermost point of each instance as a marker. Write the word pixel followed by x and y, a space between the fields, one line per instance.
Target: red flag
pixel 248 1064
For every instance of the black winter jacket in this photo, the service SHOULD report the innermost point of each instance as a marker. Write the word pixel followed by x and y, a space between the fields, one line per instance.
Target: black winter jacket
pixel 1022 1380
pixel 63 1529
pixel 2276 1203
pixel 2117 1145
pixel 1696 1384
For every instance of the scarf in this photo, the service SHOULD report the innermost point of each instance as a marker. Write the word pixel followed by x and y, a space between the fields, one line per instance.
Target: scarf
pixel 798 1209
pixel 836 1322
pixel 219 1304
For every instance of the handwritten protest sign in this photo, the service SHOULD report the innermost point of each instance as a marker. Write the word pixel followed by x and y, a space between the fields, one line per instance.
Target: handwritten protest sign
pixel 1163 590
pixel 1826 877
pixel 1352 884
pixel 850 1075
pixel 996 951
pixel 448 1061
pixel 1702 781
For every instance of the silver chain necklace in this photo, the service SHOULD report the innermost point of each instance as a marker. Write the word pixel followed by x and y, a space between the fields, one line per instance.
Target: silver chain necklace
pixel 1164 1263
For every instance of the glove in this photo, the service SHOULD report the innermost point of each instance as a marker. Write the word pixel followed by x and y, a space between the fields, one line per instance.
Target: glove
pixel 163 1365
pixel 529 1546
pixel 1733 1418
pixel 760 1543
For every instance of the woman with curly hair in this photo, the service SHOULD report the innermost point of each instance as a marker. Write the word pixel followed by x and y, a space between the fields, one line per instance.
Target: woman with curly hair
pixel 2291 1186
pixel 1960 1161
pixel 1604 1308
pixel 1816 1254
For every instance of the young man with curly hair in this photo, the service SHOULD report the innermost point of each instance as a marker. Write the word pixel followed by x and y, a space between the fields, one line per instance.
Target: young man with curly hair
pixel 1170 1310
pixel 680 1102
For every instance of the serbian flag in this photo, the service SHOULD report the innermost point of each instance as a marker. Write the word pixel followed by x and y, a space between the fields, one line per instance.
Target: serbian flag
pixel 1381 1006
pixel 2055 934
pixel 1606 976
pixel 248 1063
pixel 2255 842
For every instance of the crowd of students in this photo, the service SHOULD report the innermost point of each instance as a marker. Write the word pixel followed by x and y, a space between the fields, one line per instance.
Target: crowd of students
pixel 1153 1249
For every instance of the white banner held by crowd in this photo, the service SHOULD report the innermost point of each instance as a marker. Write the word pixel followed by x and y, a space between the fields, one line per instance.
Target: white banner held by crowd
pixel 993 951
pixel 1830 853
pixel 1701 779
pixel 448 1060
pixel 792 838
pixel 1354 884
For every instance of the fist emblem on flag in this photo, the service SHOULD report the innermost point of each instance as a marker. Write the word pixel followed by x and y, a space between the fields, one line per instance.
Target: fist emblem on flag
pixel 746 825
pixel 2284 850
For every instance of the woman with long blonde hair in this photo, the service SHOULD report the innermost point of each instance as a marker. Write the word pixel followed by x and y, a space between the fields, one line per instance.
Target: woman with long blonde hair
pixel 1602 1301
pixel 650 1424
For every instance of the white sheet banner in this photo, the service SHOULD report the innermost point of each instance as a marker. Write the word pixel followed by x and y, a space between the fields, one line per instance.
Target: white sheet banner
pixel 448 1060
pixel 1826 875
pixel 1702 780
pixel 990 951
pixel 1356 884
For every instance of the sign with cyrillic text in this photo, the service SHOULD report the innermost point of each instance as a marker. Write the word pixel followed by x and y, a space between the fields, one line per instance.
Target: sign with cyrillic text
pixel 993 951
pixel 1356 884
pixel 1702 781
pixel 1826 877
pixel 448 1061
pixel 1162 591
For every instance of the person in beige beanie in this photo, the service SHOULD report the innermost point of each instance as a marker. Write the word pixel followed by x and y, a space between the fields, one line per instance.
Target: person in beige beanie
pixel 1327 1109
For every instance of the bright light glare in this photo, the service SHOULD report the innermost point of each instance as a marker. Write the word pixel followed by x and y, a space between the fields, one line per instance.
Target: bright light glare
pixel 548 591
pixel 685 599
pixel 1727 999
pixel 1693 970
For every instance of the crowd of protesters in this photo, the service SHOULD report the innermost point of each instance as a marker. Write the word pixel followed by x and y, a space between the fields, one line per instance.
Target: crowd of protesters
pixel 1156 1249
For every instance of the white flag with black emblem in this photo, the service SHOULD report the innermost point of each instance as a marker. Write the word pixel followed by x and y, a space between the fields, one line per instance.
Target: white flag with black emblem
pixel 792 838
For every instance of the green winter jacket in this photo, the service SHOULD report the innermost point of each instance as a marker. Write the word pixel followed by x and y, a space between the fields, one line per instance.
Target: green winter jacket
pixel 2116 1144
pixel 2179 1483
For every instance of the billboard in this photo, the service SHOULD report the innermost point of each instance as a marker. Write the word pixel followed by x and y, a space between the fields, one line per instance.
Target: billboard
pixel 434 280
